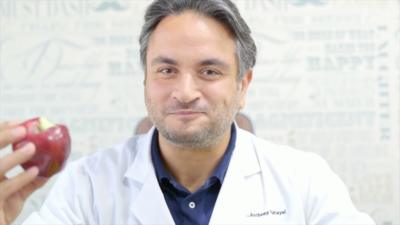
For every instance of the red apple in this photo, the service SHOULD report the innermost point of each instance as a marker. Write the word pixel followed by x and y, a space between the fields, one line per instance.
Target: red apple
pixel 52 142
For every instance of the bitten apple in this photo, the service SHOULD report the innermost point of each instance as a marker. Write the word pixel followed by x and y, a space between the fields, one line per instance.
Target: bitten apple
pixel 52 142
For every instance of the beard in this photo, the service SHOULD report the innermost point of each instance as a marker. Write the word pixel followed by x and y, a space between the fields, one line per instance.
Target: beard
pixel 204 136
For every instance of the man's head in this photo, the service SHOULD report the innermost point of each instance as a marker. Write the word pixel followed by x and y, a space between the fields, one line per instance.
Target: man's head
pixel 191 60
pixel 223 11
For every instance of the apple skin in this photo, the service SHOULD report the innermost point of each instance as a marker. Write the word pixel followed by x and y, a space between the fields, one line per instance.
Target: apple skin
pixel 53 147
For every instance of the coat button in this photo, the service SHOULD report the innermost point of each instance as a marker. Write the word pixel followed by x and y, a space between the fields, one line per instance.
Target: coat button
pixel 192 205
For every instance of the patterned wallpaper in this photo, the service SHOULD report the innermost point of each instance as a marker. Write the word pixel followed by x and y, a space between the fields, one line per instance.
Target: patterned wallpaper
pixel 326 80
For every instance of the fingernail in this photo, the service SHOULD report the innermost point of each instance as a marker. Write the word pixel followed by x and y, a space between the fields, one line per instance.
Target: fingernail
pixel 28 147
pixel 18 131
pixel 33 171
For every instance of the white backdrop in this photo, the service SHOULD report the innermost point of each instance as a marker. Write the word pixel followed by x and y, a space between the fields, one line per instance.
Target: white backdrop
pixel 326 80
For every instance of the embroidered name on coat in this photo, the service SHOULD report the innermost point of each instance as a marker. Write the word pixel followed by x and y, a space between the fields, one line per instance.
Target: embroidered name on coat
pixel 268 213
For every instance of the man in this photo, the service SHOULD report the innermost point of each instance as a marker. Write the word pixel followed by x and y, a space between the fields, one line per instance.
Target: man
pixel 195 166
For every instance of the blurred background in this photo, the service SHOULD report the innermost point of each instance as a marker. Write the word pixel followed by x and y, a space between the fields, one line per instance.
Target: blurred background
pixel 327 80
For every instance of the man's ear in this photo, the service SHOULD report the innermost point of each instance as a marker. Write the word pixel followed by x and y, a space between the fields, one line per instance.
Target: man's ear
pixel 244 84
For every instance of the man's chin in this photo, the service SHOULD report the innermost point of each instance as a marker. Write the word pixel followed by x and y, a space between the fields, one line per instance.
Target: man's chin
pixel 190 127
pixel 187 134
pixel 185 137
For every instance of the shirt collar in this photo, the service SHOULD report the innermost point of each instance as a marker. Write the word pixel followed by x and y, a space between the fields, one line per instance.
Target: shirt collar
pixel 218 173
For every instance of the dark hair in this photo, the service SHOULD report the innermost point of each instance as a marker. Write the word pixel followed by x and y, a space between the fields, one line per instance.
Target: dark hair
pixel 223 11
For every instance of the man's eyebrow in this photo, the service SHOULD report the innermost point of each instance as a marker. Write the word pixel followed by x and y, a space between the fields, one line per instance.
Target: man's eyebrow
pixel 163 60
pixel 214 61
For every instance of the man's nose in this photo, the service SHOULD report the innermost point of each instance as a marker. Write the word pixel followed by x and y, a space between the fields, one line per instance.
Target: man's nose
pixel 186 89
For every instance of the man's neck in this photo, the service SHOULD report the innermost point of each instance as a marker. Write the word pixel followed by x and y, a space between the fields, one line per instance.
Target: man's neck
pixel 192 167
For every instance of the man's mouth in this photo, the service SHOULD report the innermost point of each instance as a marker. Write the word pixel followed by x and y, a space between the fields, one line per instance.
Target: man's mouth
pixel 186 113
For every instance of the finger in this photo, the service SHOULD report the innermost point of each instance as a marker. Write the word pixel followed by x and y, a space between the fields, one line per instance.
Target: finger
pixel 33 186
pixel 9 124
pixel 10 186
pixel 18 157
pixel 8 136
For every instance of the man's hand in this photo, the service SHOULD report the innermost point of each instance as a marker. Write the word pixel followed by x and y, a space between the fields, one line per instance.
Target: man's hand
pixel 14 191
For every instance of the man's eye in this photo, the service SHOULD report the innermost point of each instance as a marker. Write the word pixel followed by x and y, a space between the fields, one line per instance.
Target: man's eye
pixel 166 71
pixel 210 73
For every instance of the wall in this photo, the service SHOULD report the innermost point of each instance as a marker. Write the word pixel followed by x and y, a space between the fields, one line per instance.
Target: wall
pixel 326 80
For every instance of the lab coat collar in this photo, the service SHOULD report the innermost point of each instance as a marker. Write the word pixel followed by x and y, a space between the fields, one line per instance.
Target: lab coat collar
pixel 244 163
pixel 244 151
pixel 150 199
pixel 233 196
pixel 244 160
pixel 142 164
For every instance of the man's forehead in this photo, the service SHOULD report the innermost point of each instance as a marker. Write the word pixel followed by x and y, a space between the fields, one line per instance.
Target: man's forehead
pixel 212 61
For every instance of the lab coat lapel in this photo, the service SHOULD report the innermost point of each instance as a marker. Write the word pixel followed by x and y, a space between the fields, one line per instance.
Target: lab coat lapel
pixel 149 206
pixel 232 205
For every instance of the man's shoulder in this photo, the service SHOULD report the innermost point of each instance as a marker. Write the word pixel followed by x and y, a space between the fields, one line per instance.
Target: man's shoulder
pixel 124 151
pixel 116 159
pixel 283 156
pixel 281 151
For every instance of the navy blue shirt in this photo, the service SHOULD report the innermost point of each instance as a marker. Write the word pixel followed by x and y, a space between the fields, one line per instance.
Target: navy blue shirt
pixel 187 207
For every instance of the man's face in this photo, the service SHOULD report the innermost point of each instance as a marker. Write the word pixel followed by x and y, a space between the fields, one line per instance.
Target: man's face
pixel 191 87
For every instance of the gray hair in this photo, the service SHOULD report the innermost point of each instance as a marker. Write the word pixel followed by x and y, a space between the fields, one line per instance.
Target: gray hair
pixel 223 11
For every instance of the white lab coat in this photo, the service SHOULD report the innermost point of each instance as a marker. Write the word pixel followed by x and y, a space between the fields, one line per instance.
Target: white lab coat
pixel 264 184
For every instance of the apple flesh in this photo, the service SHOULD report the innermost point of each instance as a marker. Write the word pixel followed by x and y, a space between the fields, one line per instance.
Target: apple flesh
pixel 52 142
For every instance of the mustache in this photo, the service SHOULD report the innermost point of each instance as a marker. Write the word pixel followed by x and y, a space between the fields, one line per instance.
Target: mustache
pixel 191 106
